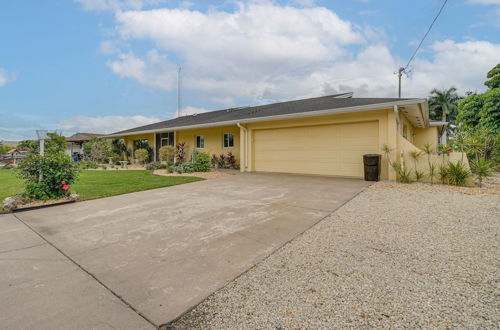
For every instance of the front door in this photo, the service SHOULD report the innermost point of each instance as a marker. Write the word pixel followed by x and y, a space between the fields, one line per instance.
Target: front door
pixel 163 139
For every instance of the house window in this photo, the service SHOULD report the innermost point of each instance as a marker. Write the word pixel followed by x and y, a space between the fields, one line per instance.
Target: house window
pixel 228 140
pixel 200 141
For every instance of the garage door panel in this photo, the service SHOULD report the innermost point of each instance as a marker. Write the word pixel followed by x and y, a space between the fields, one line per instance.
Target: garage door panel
pixel 327 149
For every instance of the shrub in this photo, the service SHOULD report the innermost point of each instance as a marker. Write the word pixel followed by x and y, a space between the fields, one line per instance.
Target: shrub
pixel 141 155
pixel 170 169
pixel 184 168
pixel 97 150
pixel 419 175
pixel 180 152
pixel 482 168
pixel 432 172
pixel 404 175
pixel 119 149
pixel 155 166
pixel 231 160
pixel 87 165
pixel 48 176
pixel 457 174
pixel 201 162
pixel 443 173
pixel 167 154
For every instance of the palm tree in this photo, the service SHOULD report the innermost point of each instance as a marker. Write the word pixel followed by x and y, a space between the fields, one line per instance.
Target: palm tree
pixel 443 103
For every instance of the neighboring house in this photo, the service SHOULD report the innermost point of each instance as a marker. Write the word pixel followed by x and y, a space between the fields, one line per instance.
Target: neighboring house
pixel 324 135
pixel 12 144
pixel 74 143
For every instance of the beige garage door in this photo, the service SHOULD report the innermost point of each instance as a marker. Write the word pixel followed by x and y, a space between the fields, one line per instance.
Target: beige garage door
pixel 326 149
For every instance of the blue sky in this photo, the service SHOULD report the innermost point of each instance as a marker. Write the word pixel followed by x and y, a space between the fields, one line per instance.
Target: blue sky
pixel 106 65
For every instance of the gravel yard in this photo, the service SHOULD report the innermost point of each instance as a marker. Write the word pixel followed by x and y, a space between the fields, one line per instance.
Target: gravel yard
pixel 394 256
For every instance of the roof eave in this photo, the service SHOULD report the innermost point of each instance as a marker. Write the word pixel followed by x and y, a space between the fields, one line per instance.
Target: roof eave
pixel 359 108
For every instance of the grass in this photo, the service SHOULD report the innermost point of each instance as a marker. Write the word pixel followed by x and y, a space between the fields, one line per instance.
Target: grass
pixel 98 184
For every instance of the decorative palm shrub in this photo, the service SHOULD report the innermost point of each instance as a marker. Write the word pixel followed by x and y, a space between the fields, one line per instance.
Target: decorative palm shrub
pixel 167 154
pixel 47 177
pixel 432 168
pixel 415 155
pixel 443 173
pixel 141 155
pixel 457 173
pixel 404 175
pixel 482 168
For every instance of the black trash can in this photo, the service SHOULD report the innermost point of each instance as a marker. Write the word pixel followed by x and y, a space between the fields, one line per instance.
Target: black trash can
pixel 372 167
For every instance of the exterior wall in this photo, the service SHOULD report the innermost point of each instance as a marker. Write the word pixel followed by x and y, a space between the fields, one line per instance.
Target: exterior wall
pixel 213 140
pixel 129 141
pixel 380 116
pixel 410 130
pixel 426 135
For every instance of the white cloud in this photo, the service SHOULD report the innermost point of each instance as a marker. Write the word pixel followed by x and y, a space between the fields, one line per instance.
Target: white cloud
pixel 243 56
pixel 105 124
pixel 5 77
pixel 115 5
pixel 485 2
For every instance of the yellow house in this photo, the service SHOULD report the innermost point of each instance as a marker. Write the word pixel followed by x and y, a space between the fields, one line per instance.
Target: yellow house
pixel 324 136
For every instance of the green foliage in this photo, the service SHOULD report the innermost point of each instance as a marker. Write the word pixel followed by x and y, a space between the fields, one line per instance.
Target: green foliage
pixel 167 154
pixel 404 175
pixel 419 175
pixel 3 148
pixel 443 104
pixel 482 168
pixel 155 166
pixel 201 162
pixel 387 152
pixel 432 172
pixel 493 77
pixel 184 168
pixel 490 112
pixel 443 173
pixel 231 160
pixel 119 148
pixel 143 144
pixel 141 155
pixel 53 145
pixel 88 164
pixel 48 176
pixel 457 174
pixel 97 150
pixel 469 109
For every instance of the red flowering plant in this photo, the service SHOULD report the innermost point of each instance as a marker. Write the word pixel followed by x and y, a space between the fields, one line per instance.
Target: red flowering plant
pixel 47 177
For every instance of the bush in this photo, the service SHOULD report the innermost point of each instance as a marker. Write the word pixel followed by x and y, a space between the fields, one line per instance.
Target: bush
pixel 48 176
pixel 155 166
pixel 404 175
pixel 87 165
pixel 141 155
pixel 167 154
pixel 482 168
pixel 201 162
pixel 457 174
pixel 231 160
pixel 184 168
pixel 97 150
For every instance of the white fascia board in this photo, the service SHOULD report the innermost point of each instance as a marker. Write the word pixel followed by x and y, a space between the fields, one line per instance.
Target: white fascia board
pixel 359 108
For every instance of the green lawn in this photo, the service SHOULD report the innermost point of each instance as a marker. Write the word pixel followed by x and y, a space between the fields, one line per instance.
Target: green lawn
pixel 97 184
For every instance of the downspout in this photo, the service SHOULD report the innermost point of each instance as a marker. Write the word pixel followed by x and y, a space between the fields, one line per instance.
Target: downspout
pixel 246 143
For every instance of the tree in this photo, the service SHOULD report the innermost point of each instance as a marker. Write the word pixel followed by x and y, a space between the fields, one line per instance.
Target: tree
pixel 482 110
pixel 167 155
pixel 53 145
pixel 119 148
pixel 443 104
pixel 97 150
pixel 3 148
pixel 493 77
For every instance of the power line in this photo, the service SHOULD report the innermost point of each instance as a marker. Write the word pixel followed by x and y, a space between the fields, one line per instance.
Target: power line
pixel 404 69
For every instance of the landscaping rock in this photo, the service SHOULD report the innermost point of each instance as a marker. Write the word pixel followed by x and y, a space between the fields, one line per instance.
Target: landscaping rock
pixel 9 204
pixel 74 196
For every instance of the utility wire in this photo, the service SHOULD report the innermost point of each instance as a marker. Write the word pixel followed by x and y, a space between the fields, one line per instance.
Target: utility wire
pixel 425 36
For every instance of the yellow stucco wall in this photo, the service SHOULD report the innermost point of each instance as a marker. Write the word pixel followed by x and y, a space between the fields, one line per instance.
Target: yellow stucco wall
pixel 213 140
pixel 129 141
pixel 426 135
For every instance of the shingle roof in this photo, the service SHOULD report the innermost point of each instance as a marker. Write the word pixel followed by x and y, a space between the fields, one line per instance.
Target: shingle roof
pixel 78 137
pixel 262 111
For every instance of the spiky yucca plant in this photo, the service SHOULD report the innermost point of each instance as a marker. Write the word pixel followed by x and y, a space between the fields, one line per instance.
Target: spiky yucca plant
pixel 482 168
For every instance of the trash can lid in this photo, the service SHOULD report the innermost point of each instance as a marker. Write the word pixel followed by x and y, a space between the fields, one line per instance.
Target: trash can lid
pixel 372 155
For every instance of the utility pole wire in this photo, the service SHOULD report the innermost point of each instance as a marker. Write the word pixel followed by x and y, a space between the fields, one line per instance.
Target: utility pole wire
pixel 426 33
pixel 404 69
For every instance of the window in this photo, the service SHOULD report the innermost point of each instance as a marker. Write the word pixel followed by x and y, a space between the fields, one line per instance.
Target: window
pixel 200 141
pixel 228 140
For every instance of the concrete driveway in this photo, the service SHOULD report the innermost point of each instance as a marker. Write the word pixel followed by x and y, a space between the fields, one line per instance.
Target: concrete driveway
pixel 142 259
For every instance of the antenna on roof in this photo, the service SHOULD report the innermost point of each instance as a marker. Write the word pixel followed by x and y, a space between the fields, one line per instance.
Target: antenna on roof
pixel 179 91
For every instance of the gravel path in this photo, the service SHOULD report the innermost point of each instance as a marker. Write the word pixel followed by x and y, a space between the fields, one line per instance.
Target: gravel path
pixel 392 257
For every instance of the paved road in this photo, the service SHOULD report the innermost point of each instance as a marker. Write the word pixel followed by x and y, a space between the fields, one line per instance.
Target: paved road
pixel 145 258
